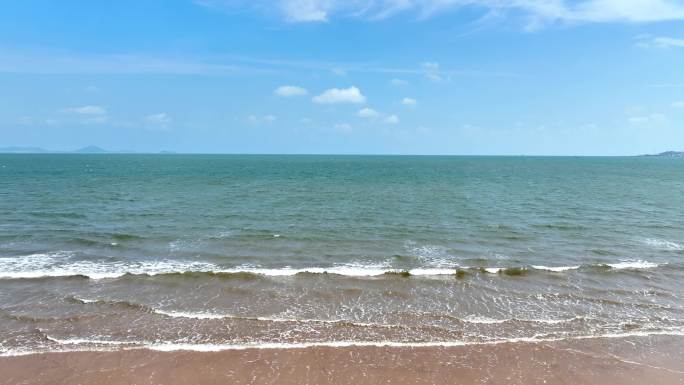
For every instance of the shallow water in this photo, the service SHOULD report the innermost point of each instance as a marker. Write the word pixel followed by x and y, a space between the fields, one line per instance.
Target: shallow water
pixel 102 251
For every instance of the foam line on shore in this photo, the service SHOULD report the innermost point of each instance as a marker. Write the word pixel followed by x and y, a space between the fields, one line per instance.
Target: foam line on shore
pixel 172 347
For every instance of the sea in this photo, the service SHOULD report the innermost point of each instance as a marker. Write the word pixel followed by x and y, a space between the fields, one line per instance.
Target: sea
pixel 215 252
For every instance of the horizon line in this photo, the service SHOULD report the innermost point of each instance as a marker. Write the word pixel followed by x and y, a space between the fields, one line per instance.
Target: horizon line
pixel 325 154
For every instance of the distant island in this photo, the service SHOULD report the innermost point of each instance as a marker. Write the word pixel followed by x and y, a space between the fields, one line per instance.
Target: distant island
pixel 91 150
pixel 38 150
pixel 668 154
pixel 84 150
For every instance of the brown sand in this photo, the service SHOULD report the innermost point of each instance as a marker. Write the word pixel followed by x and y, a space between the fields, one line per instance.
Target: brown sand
pixel 643 360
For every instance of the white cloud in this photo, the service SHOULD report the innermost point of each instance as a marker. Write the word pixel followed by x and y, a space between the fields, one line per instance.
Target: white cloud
pixel 30 121
pixel 288 91
pixel 89 114
pixel 87 110
pixel 409 102
pixel 159 121
pixel 307 10
pixel 368 113
pixel 678 104
pixel 343 127
pixel 161 118
pixel 535 12
pixel 337 71
pixel 340 95
pixel 371 114
pixel 431 70
pixel 663 42
pixel 261 119
pixel 650 119
pixel 398 82
pixel 391 119
pixel 423 130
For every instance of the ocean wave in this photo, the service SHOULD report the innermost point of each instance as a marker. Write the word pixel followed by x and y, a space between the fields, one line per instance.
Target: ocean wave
pixel 632 265
pixel 512 271
pixel 555 269
pixel 62 264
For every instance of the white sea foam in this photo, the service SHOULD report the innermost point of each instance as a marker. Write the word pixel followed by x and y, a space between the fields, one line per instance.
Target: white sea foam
pixel 194 315
pixel 433 271
pixel 206 315
pixel 203 315
pixel 84 341
pixel 352 270
pixel 556 269
pixel 488 321
pixel 84 300
pixel 434 255
pixel 664 244
pixel 96 345
pixel 638 264
pixel 493 270
pixel 475 319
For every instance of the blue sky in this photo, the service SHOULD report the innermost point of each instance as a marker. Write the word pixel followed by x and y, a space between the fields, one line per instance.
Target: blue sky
pixel 592 77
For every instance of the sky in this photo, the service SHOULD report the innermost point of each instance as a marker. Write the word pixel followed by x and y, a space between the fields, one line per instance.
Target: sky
pixel 465 77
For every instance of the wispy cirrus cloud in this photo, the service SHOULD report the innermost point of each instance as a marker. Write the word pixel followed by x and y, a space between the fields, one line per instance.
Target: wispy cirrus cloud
pixel 647 41
pixel 536 12
pixel 261 119
pixel 648 119
pixel 45 61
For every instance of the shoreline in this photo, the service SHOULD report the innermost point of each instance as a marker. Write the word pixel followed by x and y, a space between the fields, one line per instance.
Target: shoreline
pixel 104 346
pixel 624 361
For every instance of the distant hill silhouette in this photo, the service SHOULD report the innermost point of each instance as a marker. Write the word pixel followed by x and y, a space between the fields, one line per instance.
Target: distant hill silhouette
pixel 91 150
pixel 38 150
pixel 669 154
pixel 22 150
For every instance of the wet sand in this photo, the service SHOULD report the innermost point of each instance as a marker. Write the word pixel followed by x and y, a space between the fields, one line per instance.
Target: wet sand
pixel 624 361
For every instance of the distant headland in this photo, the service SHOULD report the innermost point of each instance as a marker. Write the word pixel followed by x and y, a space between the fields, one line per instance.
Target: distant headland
pixel 84 150
pixel 668 154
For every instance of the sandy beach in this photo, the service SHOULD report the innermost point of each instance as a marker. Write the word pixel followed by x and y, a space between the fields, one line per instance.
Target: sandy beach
pixel 641 360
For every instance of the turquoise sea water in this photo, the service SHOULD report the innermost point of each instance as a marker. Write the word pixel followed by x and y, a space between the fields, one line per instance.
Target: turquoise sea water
pixel 231 250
